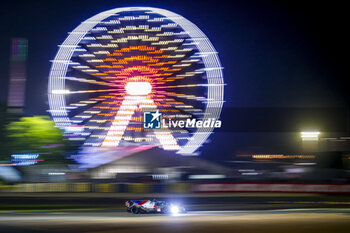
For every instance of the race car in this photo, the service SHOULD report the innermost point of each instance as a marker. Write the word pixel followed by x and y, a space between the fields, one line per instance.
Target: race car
pixel 154 206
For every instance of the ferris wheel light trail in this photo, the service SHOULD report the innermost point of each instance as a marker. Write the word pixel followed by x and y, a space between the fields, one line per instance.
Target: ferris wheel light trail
pixel 138 88
pixel 64 91
pixel 123 118
pixel 146 58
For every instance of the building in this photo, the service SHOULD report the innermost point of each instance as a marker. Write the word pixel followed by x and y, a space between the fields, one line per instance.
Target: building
pixel 17 82
pixel 157 164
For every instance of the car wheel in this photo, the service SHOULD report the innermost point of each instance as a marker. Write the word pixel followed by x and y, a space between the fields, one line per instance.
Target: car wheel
pixel 135 210
pixel 165 210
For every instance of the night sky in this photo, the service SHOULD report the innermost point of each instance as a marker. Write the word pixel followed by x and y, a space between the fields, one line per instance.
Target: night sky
pixel 274 54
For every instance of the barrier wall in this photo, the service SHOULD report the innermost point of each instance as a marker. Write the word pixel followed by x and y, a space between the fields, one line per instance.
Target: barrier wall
pixel 179 188
pixel 271 187
pixel 98 188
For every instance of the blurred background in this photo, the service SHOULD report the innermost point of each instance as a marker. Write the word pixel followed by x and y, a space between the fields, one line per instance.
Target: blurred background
pixel 285 117
pixel 285 137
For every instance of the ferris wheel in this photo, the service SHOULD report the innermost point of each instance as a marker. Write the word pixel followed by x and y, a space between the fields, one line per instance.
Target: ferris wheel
pixel 120 62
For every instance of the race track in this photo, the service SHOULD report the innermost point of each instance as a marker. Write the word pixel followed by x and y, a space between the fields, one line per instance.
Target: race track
pixel 280 221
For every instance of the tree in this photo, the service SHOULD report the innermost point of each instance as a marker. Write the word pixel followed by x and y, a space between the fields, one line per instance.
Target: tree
pixel 3 139
pixel 37 134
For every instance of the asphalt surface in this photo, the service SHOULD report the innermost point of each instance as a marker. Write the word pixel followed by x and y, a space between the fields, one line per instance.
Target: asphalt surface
pixel 114 202
pixel 251 213
pixel 280 221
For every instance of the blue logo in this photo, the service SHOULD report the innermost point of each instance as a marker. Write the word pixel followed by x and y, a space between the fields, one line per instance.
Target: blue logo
pixel 152 119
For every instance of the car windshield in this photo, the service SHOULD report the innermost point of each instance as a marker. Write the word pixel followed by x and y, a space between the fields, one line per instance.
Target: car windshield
pixel 161 203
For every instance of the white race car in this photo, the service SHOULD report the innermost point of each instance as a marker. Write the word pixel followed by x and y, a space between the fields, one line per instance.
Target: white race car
pixel 154 206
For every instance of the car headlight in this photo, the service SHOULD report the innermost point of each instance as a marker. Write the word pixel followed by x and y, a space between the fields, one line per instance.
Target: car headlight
pixel 174 209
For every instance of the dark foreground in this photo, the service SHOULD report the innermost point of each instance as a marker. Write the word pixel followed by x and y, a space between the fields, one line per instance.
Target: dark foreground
pixel 247 213
pixel 286 221
pixel 194 202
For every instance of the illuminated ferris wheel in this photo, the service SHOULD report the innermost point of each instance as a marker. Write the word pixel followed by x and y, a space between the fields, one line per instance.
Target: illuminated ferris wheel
pixel 121 62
